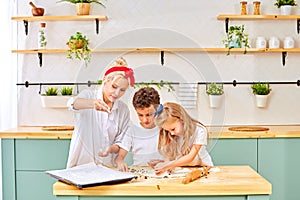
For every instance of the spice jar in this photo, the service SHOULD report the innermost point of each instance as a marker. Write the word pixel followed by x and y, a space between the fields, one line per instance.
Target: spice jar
pixel 243 7
pixel 256 7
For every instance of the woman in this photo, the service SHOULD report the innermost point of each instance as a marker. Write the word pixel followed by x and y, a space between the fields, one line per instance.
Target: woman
pixel 101 118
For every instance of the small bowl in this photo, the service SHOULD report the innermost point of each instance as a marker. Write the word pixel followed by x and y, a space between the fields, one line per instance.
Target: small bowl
pixel 37 11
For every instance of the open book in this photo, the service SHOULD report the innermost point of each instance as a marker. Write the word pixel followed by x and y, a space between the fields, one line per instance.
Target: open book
pixel 90 175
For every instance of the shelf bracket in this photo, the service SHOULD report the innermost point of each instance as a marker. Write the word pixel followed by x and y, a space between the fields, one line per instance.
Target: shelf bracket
pixel 162 58
pixel 97 26
pixel 298 26
pixel 284 55
pixel 226 24
pixel 40 56
pixel 26 26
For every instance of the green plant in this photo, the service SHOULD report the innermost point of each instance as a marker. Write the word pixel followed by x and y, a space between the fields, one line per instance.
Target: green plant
pixel 236 38
pixel 51 91
pixel 79 48
pixel 280 3
pixel 66 91
pixel 159 85
pixel 261 88
pixel 214 89
pixel 83 1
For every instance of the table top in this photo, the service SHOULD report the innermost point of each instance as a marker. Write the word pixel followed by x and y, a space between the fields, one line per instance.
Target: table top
pixel 280 131
pixel 223 180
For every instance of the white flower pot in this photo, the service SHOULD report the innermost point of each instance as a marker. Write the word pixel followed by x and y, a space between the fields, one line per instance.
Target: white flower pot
pixel 286 10
pixel 55 101
pixel 215 101
pixel 261 100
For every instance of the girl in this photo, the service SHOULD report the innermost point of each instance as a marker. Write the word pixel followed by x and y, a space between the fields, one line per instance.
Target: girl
pixel 101 118
pixel 182 139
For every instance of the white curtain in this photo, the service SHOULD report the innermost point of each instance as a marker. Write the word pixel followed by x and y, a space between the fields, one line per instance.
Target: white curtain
pixel 8 72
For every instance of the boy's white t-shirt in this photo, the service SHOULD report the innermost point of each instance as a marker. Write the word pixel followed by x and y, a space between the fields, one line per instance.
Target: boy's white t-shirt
pixel 143 143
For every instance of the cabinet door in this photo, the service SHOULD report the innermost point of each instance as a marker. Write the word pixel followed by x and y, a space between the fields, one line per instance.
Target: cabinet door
pixel 34 186
pixel 234 152
pixel 33 154
pixel 279 163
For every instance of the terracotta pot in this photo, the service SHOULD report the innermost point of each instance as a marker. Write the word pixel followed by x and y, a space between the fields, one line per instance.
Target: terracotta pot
pixel 77 43
pixel 83 8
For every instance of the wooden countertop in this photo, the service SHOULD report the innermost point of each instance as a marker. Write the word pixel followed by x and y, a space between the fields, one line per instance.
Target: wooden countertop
pixel 280 131
pixel 229 180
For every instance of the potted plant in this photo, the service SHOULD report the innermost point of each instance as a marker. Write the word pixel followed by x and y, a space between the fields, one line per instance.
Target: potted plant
pixel 83 7
pixel 78 47
pixel 261 92
pixel 236 38
pixel 215 93
pixel 285 6
pixel 55 99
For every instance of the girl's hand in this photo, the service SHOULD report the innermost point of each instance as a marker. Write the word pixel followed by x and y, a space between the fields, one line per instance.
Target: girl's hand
pixel 163 167
pixel 153 163
pixel 101 106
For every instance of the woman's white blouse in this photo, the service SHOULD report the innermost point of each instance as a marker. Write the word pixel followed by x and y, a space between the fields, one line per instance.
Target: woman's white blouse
pixel 95 131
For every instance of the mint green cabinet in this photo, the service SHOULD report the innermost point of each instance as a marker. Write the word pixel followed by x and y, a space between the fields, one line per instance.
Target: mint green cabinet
pixel 234 152
pixel 24 162
pixel 279 163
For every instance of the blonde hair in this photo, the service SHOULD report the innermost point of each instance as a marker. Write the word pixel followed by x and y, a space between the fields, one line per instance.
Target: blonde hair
pixel 120 62
pixel 169 145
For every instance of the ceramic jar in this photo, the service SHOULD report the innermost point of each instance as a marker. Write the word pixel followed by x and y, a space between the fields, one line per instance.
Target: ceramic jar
pixel 288 42
pixel 261 42
pixel 274 43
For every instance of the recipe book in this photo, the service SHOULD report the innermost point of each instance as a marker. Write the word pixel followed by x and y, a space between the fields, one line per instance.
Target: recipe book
pixel 90 175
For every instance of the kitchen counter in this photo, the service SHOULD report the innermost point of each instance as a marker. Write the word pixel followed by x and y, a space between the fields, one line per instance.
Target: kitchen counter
pixel 227 181
pixel 282 131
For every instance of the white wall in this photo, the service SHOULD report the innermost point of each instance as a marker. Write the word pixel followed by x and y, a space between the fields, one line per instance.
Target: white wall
pixel 162 23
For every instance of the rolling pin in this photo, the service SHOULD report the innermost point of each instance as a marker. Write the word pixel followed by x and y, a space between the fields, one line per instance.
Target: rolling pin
pixel 195 174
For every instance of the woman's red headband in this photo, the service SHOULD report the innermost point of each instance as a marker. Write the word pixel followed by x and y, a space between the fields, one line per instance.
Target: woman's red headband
pixel 127 71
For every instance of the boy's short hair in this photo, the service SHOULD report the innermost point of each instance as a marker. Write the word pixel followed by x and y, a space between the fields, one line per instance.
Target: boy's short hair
pixel 145 97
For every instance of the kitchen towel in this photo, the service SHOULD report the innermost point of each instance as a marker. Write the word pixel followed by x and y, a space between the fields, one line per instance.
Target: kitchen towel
pixel 187 95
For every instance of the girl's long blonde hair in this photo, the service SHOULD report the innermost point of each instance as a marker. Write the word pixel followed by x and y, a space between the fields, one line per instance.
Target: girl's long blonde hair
pixel 169 145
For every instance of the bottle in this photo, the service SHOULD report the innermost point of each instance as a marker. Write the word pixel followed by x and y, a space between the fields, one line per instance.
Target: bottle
pixel 274 43
pixel 261 42
pixel 42 40
pixel 288 42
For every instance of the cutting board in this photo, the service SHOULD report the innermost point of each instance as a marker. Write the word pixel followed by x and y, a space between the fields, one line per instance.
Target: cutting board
pixel 248 128
pixel 58 128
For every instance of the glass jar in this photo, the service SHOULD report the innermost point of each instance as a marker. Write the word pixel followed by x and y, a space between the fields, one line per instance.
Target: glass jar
pixel 42 40
pixel 256 7
pixel 243 7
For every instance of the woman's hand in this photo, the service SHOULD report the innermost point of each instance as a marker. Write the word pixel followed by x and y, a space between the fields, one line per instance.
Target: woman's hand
pixel 105 151
pixel 100 105
pixel 122 166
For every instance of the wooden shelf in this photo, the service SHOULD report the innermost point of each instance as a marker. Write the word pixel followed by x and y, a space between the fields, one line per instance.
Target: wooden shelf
pixel 228 17
pixel 258 17
pixel 211 50
pixel 27 19
pixel 61 18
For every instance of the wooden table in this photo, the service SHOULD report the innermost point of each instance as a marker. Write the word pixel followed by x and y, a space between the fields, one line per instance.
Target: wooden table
pixel 238 182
